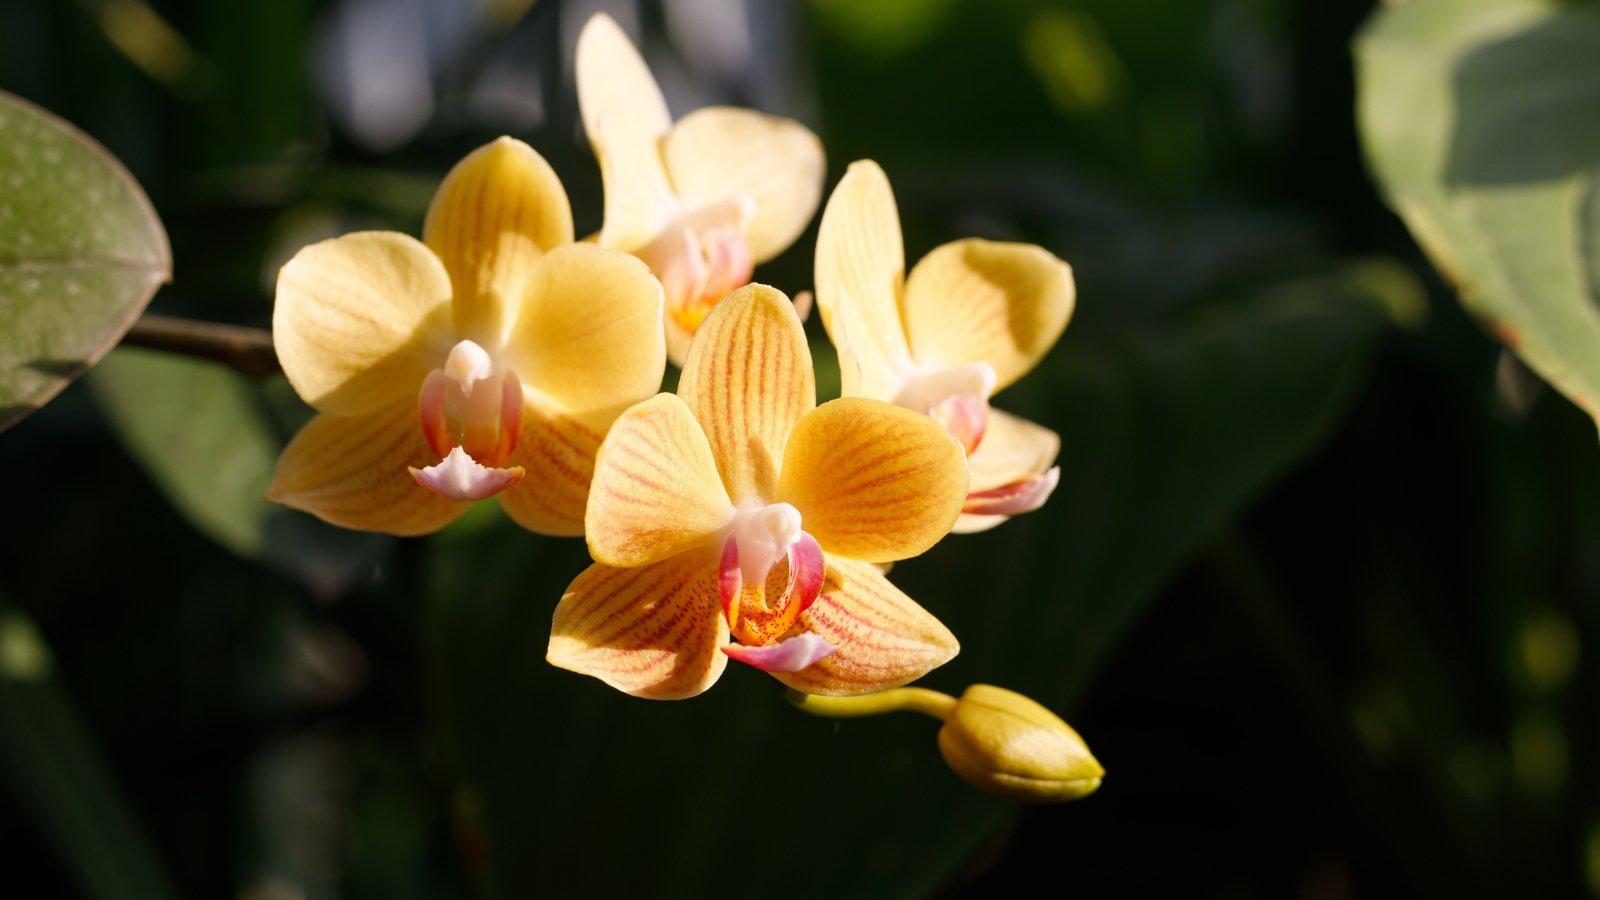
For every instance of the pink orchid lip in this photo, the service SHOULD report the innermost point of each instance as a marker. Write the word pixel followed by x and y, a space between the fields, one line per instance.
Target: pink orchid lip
pixel 1015 498
pixel 701 257
pixel 965 416
pixel 788 655
pixel 460 477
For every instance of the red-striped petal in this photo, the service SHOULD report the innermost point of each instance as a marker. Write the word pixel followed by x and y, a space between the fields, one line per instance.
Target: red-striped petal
pixel 883 638
pixel 651 631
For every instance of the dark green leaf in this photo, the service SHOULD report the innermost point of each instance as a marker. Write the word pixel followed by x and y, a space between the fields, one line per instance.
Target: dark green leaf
pixel 199 429
pixel 81 253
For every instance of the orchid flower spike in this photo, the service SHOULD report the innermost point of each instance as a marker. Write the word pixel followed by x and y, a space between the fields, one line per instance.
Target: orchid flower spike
pixel 973 317
pixel 738 519
pixel 486 360
pixel 702 200
pixel 999 741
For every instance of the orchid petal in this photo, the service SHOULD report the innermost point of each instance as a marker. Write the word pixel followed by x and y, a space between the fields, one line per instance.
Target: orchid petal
pixel 651 631
pixel 557 451
pixel 883 638
pixel 1013 450
pixel 588 337
pixel 352 471
pixel 460 477
pixel 498 211
pixel 719 152
pixel 656 491
pixel 625 118
pixel 788 655
pixel 360 320
pixel 873 482
pixel 748 380
pixel 860 269
pixel 976 301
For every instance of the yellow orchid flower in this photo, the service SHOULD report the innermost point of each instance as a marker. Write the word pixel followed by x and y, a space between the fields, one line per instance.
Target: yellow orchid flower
pixel 973 317
pixel 701 201
pixel 739 509
pixel 445 370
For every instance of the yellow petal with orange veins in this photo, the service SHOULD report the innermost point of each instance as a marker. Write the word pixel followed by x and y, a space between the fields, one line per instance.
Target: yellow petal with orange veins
pixel 860 270
pixel 353 471
pixel 588 336
pixel 652 632
pixel 1013 450
pixel 498 211
pixel 882 638
pixel 720 151
pixel 873 482
pixel 976 301
pixel 626 119
pixel 360 320
pixel 656 491
pixel 557 454
pixel 748 380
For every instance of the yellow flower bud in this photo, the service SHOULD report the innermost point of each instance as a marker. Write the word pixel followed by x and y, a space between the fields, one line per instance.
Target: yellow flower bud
pixel 1007 745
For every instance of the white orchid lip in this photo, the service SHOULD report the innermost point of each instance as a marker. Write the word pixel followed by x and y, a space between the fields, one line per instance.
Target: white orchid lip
pixel 924 388
pixel 955 396
pixel 471 415
pixel 459 477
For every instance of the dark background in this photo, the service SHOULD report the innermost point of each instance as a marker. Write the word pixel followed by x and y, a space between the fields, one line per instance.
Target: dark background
pixel 1319 586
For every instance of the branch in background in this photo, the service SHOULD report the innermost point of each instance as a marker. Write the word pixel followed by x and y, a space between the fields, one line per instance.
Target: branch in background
pixel 248 350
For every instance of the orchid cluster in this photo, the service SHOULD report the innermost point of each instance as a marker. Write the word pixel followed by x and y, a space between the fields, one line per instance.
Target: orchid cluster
pixel 736 518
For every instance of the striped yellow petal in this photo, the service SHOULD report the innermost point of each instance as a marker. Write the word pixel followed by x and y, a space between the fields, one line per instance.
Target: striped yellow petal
pixel 652 632
pixel 975 301
pixel 352 471
pixel 588 334
pixel 718 152
pixel 883 639
pixel 873 482
pixel 656 491
pixel 557 454
pixel 497 212
pixel 360 320
pixel 626 119
pixel 860 268
pixel 748 380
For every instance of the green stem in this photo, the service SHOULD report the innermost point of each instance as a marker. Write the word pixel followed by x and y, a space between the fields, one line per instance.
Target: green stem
pixel 247 350
pixel 906 699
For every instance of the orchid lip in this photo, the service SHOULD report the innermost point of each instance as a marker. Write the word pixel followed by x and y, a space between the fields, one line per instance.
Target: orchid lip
pixel 460 477
pixel 753 543
pixel 1015 498
pixel 470 404
pixel 701 256
pixel 925 388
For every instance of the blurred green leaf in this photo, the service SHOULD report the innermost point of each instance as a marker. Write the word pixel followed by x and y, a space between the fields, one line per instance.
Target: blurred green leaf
pixel 1481 119
pixel 200 431
pixel 53 767
pixel 1168 432
pixel 81 253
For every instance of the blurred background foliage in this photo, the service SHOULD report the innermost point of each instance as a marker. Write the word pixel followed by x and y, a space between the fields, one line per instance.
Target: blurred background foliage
pixel 1320 584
